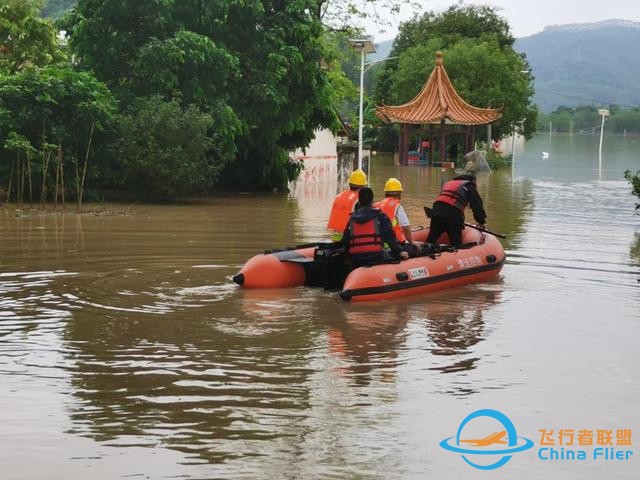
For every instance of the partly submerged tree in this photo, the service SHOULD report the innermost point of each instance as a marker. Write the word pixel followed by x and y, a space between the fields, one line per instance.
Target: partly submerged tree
pixel 634 180
pixel 58 112
pixel 269 77
pixel 165 151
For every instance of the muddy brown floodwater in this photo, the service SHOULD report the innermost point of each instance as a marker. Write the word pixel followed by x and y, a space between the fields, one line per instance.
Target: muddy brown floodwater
pixel 127 352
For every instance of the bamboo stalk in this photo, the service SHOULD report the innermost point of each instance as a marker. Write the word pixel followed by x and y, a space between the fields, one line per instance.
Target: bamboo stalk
pixel 30 181
pixel 84 168
pixel 10 180
pixel 55 201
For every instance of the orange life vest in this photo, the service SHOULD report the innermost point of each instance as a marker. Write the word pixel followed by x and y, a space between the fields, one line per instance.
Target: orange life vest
pixel 453 193
pixel 365 237
pixel 389 205
pixel 341 210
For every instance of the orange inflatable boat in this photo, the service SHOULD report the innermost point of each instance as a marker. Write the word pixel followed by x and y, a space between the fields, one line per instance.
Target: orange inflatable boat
pixel 481 259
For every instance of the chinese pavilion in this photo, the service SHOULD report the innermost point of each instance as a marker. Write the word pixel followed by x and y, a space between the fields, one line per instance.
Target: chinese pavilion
pixel 437 103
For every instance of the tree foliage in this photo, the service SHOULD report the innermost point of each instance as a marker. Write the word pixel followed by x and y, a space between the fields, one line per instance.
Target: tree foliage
pixel 482 73
pixel 54 106
pixel 25 38
pixel 165 151
pixel 268 79
pixel 634 180
pixel 586 118
pixel 479 58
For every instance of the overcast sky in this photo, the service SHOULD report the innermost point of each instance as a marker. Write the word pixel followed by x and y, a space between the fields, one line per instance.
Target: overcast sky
pixel 527 17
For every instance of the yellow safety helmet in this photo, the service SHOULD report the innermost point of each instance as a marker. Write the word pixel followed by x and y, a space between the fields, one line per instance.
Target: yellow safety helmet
pixel 392 185
pixel 358 178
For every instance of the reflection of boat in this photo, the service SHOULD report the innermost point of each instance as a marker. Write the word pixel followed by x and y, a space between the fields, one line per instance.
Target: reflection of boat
pixel 482 260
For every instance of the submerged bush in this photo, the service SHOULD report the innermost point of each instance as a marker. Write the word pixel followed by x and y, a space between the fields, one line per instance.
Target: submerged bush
pixel 165 151
pixel 634 180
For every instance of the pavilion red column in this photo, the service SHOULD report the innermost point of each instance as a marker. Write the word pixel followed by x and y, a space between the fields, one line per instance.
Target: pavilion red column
pixel 404 144
pixel 443 144
pixel 431 144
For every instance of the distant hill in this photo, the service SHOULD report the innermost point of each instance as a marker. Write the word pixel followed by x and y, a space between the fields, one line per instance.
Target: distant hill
pixel 56 8
pixel 585 64
pixel 383 49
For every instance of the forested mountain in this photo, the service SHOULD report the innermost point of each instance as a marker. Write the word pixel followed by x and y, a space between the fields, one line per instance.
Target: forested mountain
pixel 585 64
pixel 55 8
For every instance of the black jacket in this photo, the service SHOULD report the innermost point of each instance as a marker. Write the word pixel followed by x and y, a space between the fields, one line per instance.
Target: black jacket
pixel 365 214
pixel 472 197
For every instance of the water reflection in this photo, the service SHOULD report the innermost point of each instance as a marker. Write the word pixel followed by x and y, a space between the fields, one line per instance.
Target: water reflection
pixel 203 383
pixel 455 322
pixel 366 341
pixel 634 251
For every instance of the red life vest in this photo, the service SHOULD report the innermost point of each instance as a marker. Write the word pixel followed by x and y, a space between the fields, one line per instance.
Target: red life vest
pixel 341 210
pixel 389 205
pixel 365 237
pixel 453 193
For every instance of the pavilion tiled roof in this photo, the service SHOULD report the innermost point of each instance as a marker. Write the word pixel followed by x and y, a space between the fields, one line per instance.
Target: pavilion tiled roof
pixel 438 100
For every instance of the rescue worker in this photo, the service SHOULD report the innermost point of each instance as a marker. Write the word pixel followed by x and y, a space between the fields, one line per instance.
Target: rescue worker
pixel 448 209
pixel 345 204
pixel 367 231
pixel 392 207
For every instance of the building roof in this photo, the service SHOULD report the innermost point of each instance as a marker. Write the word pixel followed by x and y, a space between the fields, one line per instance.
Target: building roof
pixel 438 100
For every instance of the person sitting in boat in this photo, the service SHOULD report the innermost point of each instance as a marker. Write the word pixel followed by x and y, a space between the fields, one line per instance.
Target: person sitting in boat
pixel 448 209
pixel 367 231
pixel 392 207
pixel 345 203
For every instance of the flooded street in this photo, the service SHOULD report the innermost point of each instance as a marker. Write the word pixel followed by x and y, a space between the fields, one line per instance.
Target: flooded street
pixel 126 350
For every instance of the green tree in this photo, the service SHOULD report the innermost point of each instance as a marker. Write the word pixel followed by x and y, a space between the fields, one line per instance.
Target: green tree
pixel 479 58
pixel 25 38
pixel 165 151
pixel 270 77
pixel 448 27
pixel 484 75
pixel 59 107
pixel 634 180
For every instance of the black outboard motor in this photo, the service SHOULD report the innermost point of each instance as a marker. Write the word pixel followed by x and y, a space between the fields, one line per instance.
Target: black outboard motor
pixel 329 260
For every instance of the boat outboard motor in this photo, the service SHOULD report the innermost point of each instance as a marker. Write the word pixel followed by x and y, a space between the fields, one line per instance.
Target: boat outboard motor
pixel 330 266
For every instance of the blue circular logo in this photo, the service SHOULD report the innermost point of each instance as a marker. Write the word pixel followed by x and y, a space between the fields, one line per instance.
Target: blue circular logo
pixel 485 445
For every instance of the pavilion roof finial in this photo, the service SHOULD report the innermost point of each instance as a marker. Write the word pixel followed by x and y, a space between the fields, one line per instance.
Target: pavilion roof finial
pixel 439 56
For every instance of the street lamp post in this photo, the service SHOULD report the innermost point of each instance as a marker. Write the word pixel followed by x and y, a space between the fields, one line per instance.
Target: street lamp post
pixel 605 113
pixel 365 46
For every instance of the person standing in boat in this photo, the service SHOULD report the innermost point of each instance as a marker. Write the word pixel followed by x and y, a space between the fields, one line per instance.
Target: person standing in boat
pixel 448 209
pixel 345 204
pixel 366 233
pixel 392 207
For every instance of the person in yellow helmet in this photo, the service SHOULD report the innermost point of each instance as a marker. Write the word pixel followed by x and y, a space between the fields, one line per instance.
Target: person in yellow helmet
pixel 345 204
pixel 392 207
